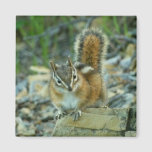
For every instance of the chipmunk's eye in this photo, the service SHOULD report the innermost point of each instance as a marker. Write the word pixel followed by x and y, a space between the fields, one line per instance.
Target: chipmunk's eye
pixel 74 76
pixel 59 82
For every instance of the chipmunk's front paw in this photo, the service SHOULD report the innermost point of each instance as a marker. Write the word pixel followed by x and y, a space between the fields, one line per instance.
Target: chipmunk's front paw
pixel 59 115
pixel 76 115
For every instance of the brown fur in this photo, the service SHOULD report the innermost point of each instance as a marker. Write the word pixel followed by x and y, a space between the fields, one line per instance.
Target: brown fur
pixel 90 51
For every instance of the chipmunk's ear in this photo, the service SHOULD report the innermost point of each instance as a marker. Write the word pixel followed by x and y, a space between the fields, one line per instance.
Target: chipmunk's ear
pixel 69 62
pixel 53 66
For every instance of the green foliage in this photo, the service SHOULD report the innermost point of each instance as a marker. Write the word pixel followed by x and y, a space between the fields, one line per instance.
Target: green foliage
pixel 105 25
pixel 18 68
pixel 125 27
pixel 116 24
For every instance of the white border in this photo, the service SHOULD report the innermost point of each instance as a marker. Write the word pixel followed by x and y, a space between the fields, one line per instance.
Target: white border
pixel 9 9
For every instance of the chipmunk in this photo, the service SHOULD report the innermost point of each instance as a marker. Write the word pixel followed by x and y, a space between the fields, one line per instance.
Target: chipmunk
pixel 75 86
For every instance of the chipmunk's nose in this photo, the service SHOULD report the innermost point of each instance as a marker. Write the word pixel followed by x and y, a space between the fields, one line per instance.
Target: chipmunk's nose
pixel 69 88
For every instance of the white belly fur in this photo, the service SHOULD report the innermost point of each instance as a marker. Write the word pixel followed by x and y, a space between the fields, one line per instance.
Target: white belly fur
pixel 70 101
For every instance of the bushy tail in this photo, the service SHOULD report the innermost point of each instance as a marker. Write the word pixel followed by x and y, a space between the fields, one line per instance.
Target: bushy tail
pixel 90 48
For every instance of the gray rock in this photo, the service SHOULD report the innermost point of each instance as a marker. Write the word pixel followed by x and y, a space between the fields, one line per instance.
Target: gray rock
pixel 114 60
pixel 130 133
pixel 45 129
pixel 121 101
pixel 47 113
pixel 73 131
pixel 94 122
pixel 24 128
pixel 32 86
pixel 21 85
pixel 26 113
pixel 126 76
pixel 23 100
pixel 125 63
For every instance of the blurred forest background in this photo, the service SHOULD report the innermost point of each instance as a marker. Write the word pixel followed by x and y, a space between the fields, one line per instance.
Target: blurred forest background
pixel 41 38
